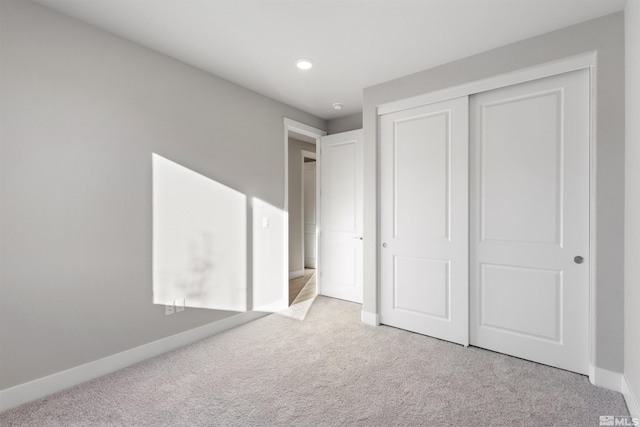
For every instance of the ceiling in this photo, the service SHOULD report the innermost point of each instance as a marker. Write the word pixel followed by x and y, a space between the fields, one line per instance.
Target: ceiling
pixel 353 43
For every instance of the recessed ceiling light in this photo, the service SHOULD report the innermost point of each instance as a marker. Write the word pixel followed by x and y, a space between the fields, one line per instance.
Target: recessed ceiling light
pixel 337 106
pixel 304 64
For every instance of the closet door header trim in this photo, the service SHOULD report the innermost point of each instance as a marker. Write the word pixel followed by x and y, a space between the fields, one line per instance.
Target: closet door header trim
pixel 572 63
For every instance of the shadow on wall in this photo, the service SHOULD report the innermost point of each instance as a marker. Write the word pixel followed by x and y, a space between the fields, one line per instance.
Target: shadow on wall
pixel 199 239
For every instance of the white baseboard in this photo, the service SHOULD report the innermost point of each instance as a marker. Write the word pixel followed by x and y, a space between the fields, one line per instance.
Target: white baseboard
pixel 59 381
pixel 296 274
pixel 310 263
pixel 273 307
pixel 605 379
pixel 369 318
pixel 630 398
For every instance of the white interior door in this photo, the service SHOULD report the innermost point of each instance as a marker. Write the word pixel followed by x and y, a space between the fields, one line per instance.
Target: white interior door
pixel 530 219
pixel 424 220
pixel 341 175
pixel 309 213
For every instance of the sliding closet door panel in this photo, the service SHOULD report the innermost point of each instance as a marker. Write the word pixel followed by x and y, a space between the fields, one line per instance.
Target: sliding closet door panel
pixel 530 219
pixel 424 220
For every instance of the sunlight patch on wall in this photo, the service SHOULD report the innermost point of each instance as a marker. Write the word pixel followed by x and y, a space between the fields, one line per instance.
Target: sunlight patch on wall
pixel 270 287
pixel 199 239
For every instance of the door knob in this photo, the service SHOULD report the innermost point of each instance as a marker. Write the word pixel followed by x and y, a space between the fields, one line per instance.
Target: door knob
pixel 578 260
pixel 384 245
pixel 358 238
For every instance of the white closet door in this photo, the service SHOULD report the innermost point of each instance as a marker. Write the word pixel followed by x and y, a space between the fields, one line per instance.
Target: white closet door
pixel 341 177
pixel 530 220
pixel 424 220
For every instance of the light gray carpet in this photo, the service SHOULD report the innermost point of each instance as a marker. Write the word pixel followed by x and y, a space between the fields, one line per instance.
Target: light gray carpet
pixel 327 370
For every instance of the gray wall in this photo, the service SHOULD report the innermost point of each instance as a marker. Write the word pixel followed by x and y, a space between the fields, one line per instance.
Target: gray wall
pixel 606 35
pixel 82 111
pixel 344 124
pixel 632 206
pixel 296 236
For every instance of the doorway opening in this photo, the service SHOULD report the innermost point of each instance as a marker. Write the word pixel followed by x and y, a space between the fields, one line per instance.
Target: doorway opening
pixel 302 210
pixel 305 242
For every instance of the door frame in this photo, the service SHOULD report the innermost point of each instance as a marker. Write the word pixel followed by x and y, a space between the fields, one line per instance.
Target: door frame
pixel 317 134
pixel 573 63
